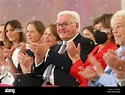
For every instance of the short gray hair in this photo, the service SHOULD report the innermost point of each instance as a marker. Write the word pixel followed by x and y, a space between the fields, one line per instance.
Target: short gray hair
pixel 120 13
pixel 74 16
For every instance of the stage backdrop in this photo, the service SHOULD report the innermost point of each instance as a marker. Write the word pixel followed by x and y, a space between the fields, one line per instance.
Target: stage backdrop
pixel 46 10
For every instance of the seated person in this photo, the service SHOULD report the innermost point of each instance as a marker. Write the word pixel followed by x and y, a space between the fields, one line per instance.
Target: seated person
pixel 88 31
pixel 114 73
pixel 102 31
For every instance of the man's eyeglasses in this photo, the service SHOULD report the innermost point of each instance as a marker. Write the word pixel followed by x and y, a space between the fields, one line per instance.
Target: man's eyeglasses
pixel 64 24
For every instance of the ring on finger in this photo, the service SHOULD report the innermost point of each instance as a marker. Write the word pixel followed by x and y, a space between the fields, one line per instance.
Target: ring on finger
pixel 21 61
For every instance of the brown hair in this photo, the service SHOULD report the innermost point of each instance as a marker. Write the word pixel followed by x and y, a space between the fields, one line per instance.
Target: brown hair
pixel 53 29
pixel 17 25
pixel 90 28
pixel 104 19
pixel 40 27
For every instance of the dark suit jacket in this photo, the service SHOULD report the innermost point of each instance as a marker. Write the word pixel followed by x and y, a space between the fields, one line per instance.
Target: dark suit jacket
pixel 63 63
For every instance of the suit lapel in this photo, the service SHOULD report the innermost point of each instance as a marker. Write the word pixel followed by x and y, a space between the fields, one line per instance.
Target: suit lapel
pixel 56 47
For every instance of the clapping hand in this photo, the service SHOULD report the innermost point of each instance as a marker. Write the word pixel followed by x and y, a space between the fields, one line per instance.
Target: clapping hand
pixel 73 51
pixel 117 64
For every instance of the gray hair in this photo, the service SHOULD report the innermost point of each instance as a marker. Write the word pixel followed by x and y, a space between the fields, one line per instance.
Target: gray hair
pixel 120 13
pixel 74 16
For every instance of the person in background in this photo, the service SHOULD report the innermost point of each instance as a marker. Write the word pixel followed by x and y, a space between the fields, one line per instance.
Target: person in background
pixel 34 31
pixel 4 42
pixel 13 31
pixel 68 26
pixel 114 74
pixel 102 31
pixel 50 38
pixel 88 31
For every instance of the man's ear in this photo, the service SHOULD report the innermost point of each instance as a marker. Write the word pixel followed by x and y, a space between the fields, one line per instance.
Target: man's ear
pixel 77 25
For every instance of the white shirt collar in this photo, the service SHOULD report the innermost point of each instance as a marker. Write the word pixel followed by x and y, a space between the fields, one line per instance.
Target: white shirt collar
pixel 72 38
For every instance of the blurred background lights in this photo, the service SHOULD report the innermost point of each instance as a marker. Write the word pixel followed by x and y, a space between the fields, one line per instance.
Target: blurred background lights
pixel 46 10
pixel 33 17
pixel 47 5
pixel 105 5
pixel 18 5
pixel 4 17
pixel 91 17
pixel 77 5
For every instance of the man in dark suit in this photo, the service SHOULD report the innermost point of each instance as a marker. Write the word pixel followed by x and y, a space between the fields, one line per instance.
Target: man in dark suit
pixel 68 27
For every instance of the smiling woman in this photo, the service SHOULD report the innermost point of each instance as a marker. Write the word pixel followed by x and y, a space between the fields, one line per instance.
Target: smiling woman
pixel 50 36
